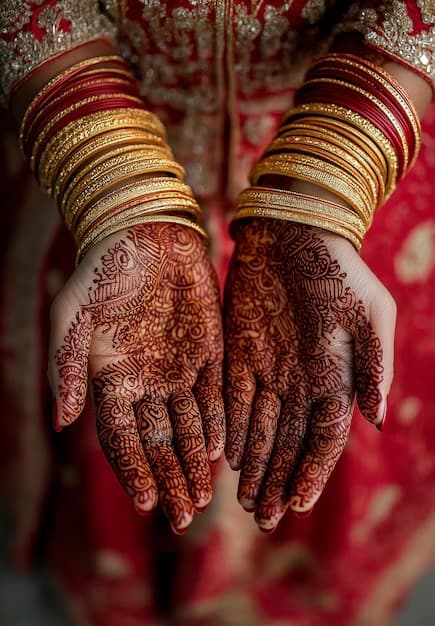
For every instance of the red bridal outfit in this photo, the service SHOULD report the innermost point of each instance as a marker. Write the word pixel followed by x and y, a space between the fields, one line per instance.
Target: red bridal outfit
pixel 219 74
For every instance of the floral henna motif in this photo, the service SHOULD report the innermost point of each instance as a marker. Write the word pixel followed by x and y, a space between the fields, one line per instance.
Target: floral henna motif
pixel 298 345
pixel 150 332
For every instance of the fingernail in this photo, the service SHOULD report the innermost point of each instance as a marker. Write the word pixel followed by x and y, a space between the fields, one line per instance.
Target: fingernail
pixel 201 509
pixel 179 531
pixel 143 512
pixel 381 425
pixel 303 514
pixel 267 531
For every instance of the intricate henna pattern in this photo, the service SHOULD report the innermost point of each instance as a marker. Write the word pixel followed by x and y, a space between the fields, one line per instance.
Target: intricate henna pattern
pixel 298 345
pixel 151 327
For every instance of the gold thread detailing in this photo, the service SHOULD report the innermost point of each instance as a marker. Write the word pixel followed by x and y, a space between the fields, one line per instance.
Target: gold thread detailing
pixel 389 28
pixel 21 54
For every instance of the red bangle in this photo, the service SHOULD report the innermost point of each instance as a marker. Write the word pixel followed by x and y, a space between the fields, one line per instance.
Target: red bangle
pixel 361 105
pixel 79 113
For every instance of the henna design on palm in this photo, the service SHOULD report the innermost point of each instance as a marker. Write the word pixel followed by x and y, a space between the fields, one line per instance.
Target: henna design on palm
pixel 299 345
pixel 147 327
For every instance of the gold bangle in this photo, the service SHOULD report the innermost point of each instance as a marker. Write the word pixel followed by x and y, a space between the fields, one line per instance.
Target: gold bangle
pixel 282 199
pixel 352 133
pixel 354 119
pixel 130 172
pixel 327 152
pixel 89 83
pixel 330 178
pixel 62 114
pixel 347 147
pixel 339 115
pixel 94 152
pixel 310 219
pixel 155 188
pixel 390 83
pixel 138 206
pixel 342 131
pixel 78 132
pixel 76 66
pixel 378 103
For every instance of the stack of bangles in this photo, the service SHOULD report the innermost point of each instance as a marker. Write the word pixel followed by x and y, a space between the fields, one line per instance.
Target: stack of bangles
pixel 353 132
pixel 104 159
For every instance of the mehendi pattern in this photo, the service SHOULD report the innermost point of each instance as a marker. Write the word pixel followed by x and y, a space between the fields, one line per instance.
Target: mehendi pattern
pixel 152 330
pixel 293 323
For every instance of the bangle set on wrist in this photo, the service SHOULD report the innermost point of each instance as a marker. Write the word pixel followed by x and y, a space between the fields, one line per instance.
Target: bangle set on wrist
pixel 354 132
pixel 104 158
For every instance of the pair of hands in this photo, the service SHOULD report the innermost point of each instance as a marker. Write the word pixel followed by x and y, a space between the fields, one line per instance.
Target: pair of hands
pixel 307 326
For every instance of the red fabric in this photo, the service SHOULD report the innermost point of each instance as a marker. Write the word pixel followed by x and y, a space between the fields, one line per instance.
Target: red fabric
pixel 373 530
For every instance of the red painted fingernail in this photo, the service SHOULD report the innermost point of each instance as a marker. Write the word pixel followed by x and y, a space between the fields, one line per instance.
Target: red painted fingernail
pixel 143 512
pixel 201 509
pixel 179 531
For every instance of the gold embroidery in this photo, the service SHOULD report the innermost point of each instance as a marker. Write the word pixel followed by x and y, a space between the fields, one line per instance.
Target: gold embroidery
pixel 389 28
pixel 24 52
pixel 427 10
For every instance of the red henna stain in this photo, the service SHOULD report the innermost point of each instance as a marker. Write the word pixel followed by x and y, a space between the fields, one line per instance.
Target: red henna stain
pixel 289 386
pixel 152 324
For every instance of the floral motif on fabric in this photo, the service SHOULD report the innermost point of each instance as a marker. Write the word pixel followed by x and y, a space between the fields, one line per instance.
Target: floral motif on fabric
pixel 33 31
pixel 391 27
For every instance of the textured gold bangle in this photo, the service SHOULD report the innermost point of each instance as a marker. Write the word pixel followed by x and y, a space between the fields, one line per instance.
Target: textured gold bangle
pixel 149 204
pixel 142 205
pixel 342 131
pixel 300 217
pixel 283 199
pixel 360 158
pixel 132 172
pixel 154 189
pixel 77 133
pixel 95 152
pixel 347 141
pixel 64 113
pixel 347 130
pixel 76 66
pixel 137 221
pixel 354 119
pixel 88 83
pixel 378 103
pixel 327 177
pixel 327 152
pixel 374 75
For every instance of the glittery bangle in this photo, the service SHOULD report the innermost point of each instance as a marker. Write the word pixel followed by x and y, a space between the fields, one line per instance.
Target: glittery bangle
pixel 80 132
pixel 332 140
pixel 132 172
pixel 92 157
pixel 69 72
pixel 326 151
pixel 329 178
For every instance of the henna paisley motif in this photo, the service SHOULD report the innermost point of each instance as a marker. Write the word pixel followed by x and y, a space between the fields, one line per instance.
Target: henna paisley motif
pixel 299 344
pixel 148 330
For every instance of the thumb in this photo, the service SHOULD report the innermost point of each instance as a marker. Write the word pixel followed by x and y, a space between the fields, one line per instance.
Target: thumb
pixel 374 357
pixel 70 340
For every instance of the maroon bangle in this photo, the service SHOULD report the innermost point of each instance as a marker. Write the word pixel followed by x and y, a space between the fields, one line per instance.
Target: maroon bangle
pixel 378 90
pixel 79 113
pixel 358 103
